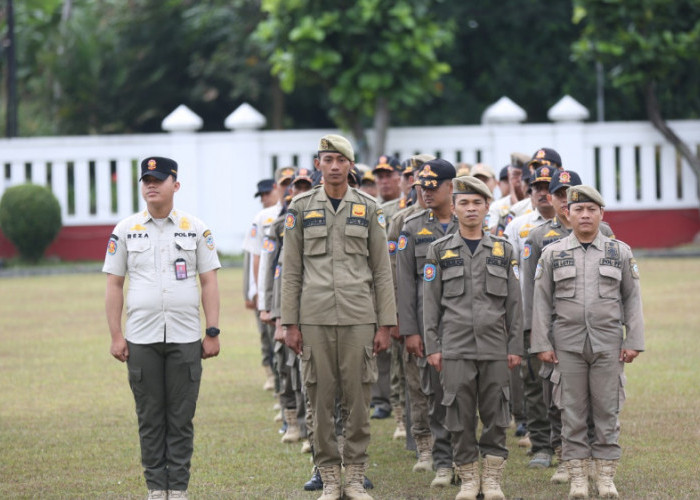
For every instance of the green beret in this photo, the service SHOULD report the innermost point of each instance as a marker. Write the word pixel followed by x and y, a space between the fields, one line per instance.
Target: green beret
pixel 332 143
pixel 468 184
pixel 584 194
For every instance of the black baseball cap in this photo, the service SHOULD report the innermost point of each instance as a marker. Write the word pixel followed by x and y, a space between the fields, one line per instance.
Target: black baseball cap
pixel 388 164
pixel 542 174
pixel 564 178
pixel 434 172
pixel 503 174
pixel 265 186
pixel 158 167
pixel 545 156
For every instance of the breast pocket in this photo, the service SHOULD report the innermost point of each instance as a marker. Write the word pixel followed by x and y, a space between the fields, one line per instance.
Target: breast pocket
pixel 356 239
pixel 140 254
pixel 496 281
pixel 564 281
pixel 315 240
pixel 186 248
pixel 453 281
pixel 609 282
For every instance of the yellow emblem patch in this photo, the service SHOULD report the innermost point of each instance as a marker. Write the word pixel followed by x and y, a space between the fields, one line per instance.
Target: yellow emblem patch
pixel 269 221
pixel 184 223
pixel 358 210
pixel 551 233
pixel 525 230
pixel 137 227
pixel 423 232
pixel 498 249
pixel 449 254
pixel 313 215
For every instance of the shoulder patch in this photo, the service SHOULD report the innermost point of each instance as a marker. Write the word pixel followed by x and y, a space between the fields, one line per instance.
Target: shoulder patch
pixel 392 246
pixel 112 244
pixel 381 220
pixel 634 268
pixel 290 221
pixel 403 241
pixel 538 270
pixel 516 269
pixel 527 251
pixel 429 271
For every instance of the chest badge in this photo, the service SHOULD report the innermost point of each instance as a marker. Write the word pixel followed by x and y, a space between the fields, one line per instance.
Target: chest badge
pixel 498 249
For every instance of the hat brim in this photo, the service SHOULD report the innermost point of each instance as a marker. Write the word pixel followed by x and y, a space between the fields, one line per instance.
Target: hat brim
pixel 260 193
pixel 154 173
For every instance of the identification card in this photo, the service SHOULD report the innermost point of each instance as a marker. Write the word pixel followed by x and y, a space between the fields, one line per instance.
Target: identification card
pixel 180 269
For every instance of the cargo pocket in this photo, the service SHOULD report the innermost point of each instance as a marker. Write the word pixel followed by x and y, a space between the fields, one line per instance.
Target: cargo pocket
pixel 308 370
pixel 452 421
pixel 356 239
pixel 195 372
pixel 135 376
pixel 564 281
pixel 609 282
pixel 555 379
pixel 139 254
pixel 622 394
pixel 453 281
pixel 503 413
pixel 315 240
pixel 369 372
pixel 497 281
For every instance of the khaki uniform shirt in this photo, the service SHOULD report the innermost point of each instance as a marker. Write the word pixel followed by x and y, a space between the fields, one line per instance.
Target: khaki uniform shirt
pixel 592 293
pixel 159 306
pixel 419 231
pixel 390 208
pixel 538 238
pixel 393 235
pixel 272 258
pixel 334 260
pixel 471 303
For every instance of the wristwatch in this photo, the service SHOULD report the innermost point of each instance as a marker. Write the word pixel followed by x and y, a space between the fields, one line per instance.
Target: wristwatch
pixel 212 331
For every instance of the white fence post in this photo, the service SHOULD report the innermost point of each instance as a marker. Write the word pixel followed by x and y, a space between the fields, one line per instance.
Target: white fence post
pixel 568 137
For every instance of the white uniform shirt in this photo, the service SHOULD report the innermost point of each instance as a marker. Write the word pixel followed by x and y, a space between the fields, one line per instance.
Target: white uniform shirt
pixel 519 229
pixel 160 307
pixel 498 208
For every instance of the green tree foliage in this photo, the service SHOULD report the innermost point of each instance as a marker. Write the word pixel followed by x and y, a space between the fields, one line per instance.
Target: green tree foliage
pixel 30 217
pixel 370 57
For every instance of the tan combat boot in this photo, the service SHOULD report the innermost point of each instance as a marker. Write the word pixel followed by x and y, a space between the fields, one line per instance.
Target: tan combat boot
pixel 592 472
pixel 424 446
pixel 181 494
pixel 269 384
pixel 604 482
pixel 561 475
pixel 355 482
pixel 469 474
pixel 293 433
pixel 578 474
pixel 491 478
pixel 443 477
pixel 157 494
pixel 400 432
pixel 330 474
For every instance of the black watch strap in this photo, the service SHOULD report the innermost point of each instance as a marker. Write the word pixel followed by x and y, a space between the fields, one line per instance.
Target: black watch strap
pixel 212 331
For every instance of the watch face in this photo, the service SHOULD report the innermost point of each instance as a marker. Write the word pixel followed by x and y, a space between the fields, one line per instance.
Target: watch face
pixel 212 331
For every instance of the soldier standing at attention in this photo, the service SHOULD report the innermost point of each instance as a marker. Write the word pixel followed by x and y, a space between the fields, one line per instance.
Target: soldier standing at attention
pixel 163 250
pixel 335 246
pixel 586 289
pixel 473 336
pixel 419 231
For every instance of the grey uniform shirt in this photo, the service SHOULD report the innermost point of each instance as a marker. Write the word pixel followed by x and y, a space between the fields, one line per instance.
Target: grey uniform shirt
pixel 471 303
pixel 593 292
pixel 160 307
pixel 419 231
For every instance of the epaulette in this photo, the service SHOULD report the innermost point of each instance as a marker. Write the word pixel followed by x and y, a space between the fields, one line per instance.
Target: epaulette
pixel 499 238
pixel 368 196
pixel 416 215
pixel 442 238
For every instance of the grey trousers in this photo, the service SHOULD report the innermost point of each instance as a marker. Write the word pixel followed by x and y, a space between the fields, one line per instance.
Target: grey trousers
pixel 418 400
pixel 381 390
pixel 267 340
pixel 164 379
pixel 442 447
pixel 471 384
pixel 338 361
pixel 536 408
pixel 590 383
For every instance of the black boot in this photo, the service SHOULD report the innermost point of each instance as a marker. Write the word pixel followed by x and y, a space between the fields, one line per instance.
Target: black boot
pixel 315 483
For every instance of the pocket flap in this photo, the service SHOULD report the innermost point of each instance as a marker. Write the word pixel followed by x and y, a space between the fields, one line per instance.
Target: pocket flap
pixel 186 243
pixel 306 353
pixel 448 398
pixel 369 351
pixel 316 232
pixel 135 374
pixel 555 377
pixel 506 392
pixel 611 272
pixel 623 379
pixel 452 272
pixel 138 244
pixel 546 370
pixel 499 271
pixel 195 372
pixel 564 272
pixel 356 231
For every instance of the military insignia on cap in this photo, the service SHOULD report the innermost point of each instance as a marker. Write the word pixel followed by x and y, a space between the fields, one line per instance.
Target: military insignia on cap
pixel 429 271
pixel 185 223
pixel 516 269
pixel 527 251
pixel 498 249
pixel 565 178
pixel 325 144
pixel 403 241
pixel 424 232
pixel 112 246
pixel 290 221
pixel 540 154
pixel 544 172
pixel 381 220
pixel 359 210
pixel 427 172
pixel 151 164
pixel 392 247
pixel 574 196
pixel 449 254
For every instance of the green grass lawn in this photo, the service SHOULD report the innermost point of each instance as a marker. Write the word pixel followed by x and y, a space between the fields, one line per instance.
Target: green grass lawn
pixel 68 427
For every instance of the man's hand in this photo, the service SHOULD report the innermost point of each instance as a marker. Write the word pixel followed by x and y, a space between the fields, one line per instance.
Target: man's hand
pixel 628 355
pixel 251 303
pixel 394 332
pixel 279 331
pixel 266 318
pixel 435 360
pixel 382 339
pixel 293 338
pixel 119 349
pixel 514 361
pixel 414 345
pixel 548 357
pixel 210 347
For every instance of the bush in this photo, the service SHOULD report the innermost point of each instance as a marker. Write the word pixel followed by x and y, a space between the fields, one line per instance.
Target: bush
pixel 30 217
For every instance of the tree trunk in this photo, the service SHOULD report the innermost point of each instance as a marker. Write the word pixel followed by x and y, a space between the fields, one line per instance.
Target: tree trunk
pixel 654 115
pixel 358 132
pixel 277 118
pixel 382 114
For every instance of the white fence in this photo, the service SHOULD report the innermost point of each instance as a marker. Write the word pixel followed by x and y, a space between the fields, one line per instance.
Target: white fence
pixel 95 178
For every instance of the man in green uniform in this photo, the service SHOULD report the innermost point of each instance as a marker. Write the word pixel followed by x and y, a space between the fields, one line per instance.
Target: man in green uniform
pixel 419 230
pixel 163 250
pixel 335 246
pixel 586 290
pixel 472 320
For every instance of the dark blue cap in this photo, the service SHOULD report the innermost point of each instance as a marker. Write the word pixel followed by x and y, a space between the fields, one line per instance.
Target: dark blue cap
pixel 265 186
